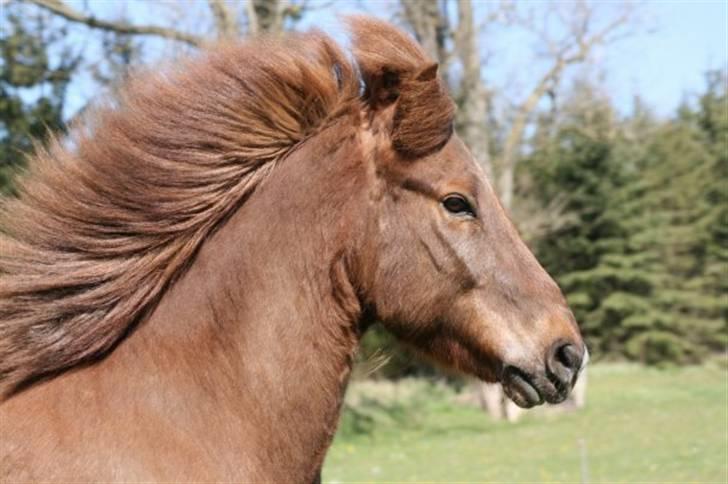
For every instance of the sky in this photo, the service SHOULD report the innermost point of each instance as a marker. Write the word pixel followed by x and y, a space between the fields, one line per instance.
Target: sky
pixel 663 67
pixel 662 60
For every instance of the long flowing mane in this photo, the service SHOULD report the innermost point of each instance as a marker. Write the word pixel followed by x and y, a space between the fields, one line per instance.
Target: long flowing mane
pixel 104 226
pixel 107 221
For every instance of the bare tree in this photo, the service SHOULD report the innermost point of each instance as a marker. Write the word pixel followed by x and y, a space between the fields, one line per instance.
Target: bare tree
pixel 62 9
pixel 259 16
pixel 472 89
pixel 582 36
pixel 446 39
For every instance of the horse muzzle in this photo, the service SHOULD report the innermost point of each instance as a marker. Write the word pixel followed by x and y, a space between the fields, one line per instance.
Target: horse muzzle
pixel 552 383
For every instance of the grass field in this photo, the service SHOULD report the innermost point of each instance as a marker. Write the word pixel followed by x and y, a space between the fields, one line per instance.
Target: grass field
pixel 639 425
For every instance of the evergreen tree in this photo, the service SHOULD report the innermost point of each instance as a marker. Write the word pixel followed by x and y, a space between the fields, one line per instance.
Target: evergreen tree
pixel 576 161
pixel 712 121
pixel 645 265
pixel 32 87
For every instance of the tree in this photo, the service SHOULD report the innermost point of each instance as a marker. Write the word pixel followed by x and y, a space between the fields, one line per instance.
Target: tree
pixel 583 34
pixel 678 239
pixel 712 119
pixel 32 87
pixel 228 20
pixel 642 267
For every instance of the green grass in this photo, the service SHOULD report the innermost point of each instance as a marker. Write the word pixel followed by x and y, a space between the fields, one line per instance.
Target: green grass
pixel 639 425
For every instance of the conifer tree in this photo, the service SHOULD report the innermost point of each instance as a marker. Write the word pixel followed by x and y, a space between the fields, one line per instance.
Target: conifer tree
pixel 576 162
pixel 650 283
pixel 32 87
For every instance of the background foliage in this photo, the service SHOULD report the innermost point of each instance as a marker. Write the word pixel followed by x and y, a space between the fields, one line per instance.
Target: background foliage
pixel 644 260
pixel 34 77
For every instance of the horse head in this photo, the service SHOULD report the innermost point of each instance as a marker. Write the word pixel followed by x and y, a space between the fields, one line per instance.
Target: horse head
pixel 444 268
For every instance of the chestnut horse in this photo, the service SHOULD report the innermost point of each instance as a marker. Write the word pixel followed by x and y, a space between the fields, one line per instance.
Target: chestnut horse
pixel 183 283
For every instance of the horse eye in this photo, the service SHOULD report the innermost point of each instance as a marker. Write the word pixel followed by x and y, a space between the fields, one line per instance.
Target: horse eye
pixel 458 205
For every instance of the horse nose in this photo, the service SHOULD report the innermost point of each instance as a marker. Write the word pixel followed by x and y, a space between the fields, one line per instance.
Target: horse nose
pixel 563 362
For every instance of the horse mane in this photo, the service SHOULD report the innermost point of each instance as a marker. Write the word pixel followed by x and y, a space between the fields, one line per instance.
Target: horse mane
pixel 105 222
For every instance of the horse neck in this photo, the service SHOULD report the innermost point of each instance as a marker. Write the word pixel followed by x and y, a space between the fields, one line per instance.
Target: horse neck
pixel 264 325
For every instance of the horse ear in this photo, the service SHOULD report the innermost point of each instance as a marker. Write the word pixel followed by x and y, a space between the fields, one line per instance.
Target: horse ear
pixel 429 73
pixel 395 69
pixel 382 88
pixel 423 118
pixel 385 56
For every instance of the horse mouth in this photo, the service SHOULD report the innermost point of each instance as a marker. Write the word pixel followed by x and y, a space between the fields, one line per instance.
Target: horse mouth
pixel 527 391
pixel 520 388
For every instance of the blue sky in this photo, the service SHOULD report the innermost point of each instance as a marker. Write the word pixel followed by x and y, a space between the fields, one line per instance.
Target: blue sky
pixel 664 66
pixel 663 60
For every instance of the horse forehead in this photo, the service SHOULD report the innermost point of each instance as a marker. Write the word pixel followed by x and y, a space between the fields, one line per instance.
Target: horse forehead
pixel 455 163
pixel 459 154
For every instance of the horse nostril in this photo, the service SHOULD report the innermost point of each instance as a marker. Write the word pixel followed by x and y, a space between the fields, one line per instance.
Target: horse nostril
pixel 563 364
pixel 569 356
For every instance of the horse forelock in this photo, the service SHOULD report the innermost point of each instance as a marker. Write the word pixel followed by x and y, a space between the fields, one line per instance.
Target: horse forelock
pixel 105 222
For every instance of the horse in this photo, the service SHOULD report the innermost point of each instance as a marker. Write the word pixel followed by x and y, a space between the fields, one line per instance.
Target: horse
pixel 185 279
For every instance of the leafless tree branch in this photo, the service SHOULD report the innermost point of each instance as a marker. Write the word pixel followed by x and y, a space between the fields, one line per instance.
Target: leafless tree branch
pixel 61 9
pixel 573 50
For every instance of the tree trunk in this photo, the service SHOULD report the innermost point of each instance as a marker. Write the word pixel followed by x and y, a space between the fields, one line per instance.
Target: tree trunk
pixel 266 16
pixel 472 114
